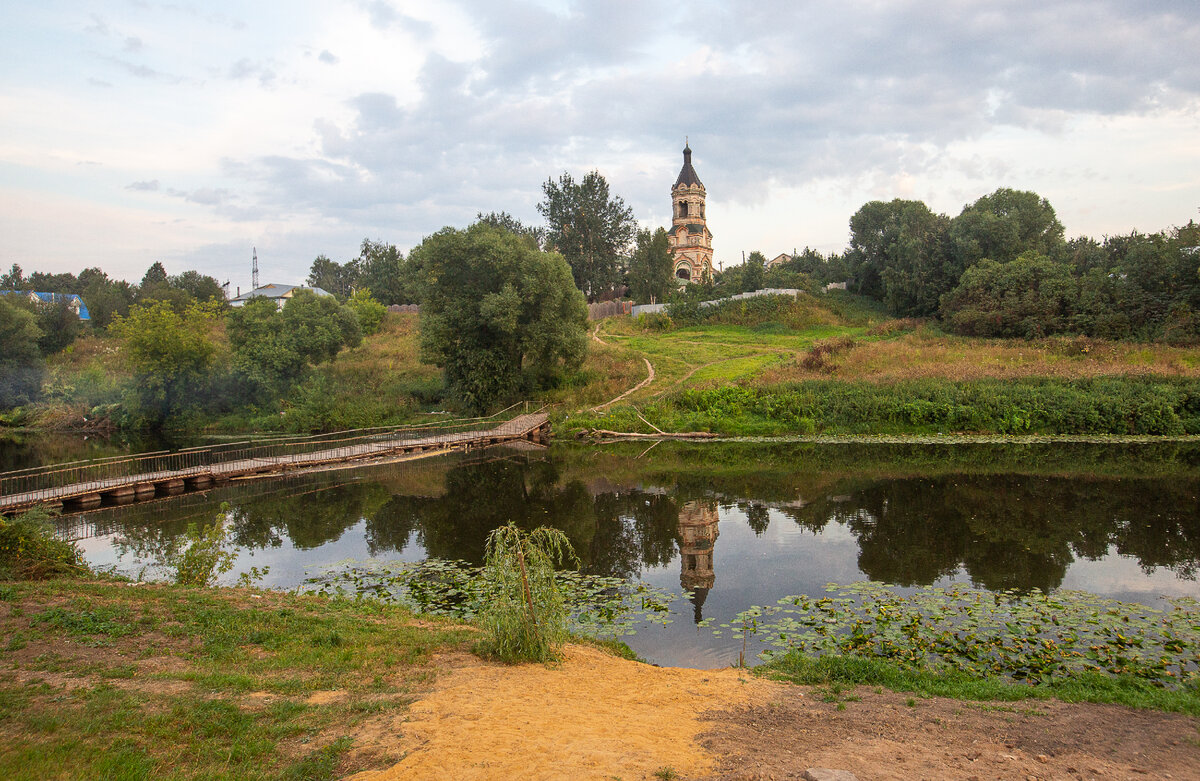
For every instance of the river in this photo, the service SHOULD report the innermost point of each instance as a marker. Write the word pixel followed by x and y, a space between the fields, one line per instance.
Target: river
pixel 734 524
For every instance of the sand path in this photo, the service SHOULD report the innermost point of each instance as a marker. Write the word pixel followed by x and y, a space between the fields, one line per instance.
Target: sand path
pixel 593 716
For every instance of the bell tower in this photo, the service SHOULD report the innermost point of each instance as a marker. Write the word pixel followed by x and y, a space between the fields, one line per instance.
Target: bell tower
pixel 689 240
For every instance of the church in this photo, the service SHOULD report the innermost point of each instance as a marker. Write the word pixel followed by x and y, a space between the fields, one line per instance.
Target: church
pixel 689 239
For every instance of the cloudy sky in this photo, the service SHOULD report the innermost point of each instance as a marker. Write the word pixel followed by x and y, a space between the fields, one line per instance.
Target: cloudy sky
pixel 188 132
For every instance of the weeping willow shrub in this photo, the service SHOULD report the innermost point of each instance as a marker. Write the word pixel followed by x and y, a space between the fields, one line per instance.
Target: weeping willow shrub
pixel 526 618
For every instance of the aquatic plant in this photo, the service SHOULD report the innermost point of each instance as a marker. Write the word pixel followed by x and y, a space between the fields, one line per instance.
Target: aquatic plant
pixel 601 607
pixel 1033 636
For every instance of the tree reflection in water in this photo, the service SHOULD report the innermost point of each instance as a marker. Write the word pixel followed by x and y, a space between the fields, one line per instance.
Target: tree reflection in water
pixel 1006 530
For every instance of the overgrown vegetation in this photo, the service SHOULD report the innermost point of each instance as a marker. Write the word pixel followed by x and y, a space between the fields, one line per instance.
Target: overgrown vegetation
pixel 974 644
pixel 30 551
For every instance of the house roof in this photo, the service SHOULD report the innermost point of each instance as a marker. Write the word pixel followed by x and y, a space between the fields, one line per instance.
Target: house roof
pixel 687 174
pixel 72 299
pixel 278 291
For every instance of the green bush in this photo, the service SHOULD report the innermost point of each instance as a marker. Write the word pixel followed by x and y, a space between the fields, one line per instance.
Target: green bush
pixel 1125 406
pixel 30 551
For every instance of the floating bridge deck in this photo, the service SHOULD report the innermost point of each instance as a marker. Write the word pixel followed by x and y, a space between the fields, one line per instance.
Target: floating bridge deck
pixel 123 480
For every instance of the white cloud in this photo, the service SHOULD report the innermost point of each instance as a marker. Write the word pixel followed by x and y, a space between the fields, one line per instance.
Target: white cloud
pixel 319 124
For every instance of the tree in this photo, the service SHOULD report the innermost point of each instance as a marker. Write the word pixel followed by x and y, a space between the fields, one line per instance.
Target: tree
pixel 1005 224
pixel 500 316
pixel 170 353
pixel 755 272
pixel 381 270
pixel 511 224
pixel 899 254
pixel 650 268
pixel 200 287
pixel 20 361
pixel 330 276
pixel 106 298
pixel 59 324
pixel 273 348
pixel 1029 297
pixel 589 228
pixel 14 279
pixel 155 275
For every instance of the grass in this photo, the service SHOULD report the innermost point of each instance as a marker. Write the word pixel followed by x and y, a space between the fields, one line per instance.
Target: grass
pixel 105 679
pixel 841 671
pixel 844 375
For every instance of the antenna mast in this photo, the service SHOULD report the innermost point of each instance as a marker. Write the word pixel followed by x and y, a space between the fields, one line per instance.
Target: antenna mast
pixel 254 270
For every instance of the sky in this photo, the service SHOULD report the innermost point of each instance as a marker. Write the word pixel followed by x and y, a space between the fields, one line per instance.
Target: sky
pixel 189 133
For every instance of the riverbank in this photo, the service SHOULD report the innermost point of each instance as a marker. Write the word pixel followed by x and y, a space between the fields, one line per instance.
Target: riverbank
pixel 112 679
pixel 830 364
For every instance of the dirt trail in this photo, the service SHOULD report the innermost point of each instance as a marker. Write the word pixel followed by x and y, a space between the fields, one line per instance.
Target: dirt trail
pixel 599 717
pixel 649 377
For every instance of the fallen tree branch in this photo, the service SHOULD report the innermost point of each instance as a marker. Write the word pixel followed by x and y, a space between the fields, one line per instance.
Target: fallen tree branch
pixel 601 432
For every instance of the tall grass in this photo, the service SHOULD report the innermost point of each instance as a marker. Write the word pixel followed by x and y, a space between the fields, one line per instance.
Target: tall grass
pixel 526 617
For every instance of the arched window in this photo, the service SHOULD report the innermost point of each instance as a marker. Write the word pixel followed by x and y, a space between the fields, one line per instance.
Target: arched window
pixel 684 273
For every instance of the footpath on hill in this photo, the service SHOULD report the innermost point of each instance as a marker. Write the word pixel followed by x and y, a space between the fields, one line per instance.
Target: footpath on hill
pixel 598 716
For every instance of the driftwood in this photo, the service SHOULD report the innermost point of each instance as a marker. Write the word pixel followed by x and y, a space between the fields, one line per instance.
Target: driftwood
pixel 601 432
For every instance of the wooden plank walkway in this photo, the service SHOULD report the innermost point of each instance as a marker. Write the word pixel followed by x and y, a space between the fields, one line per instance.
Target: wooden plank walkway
pixel 148 484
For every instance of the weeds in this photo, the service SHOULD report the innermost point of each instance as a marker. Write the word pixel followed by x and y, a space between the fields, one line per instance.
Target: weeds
pixel 819 355
pixel 30 551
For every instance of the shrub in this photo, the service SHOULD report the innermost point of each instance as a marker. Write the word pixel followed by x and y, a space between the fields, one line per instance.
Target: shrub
pixel 207 554
pixel 30 551
pixel 526 618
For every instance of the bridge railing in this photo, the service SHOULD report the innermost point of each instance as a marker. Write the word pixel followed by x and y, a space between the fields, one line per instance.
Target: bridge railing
pixel 97 475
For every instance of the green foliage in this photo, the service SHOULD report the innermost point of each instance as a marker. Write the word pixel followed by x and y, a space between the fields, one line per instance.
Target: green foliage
pixel 526 619
pixel 60 326
pixel 1034 637
pixel 21 365
pixel 502 317
pixel 899 253
pixel 272 349
pixel 836 671
pixel 650 268
pixel 203 554
pixel 1109 405
pixel 30 551
pixel 170 354
pixel 368 311
pixel 1004 225
pixel 106 298
pixel 590 228
pixel 380 269
pixel 1031 296
pixel 755 273
pixel 331 276
pixel 200 287
pixel 794 312
pixel 155 275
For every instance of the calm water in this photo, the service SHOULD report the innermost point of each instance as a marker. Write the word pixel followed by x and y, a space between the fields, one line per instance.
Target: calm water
pixel 738 524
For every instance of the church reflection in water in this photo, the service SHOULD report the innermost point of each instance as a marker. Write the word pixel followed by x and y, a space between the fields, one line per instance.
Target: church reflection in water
pixel 698 532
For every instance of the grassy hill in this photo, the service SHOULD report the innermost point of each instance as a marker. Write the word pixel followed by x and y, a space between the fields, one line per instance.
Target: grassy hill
pixel 829 364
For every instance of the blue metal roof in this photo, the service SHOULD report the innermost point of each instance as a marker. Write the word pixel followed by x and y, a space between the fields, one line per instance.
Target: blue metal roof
pixel 49 298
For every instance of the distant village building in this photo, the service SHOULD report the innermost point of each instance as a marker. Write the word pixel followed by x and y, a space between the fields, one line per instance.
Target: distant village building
pixel 782 257
pixel 689 240
pixel 73 301
pixel 277 293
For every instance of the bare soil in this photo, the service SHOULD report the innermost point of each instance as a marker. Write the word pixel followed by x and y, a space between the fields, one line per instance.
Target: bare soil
pixel 596 716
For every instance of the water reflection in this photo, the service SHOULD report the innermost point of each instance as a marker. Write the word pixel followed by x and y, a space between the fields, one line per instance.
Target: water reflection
pixel 1002 518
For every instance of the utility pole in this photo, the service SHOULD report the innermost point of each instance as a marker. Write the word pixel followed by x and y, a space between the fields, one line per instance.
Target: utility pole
pixel 254 269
